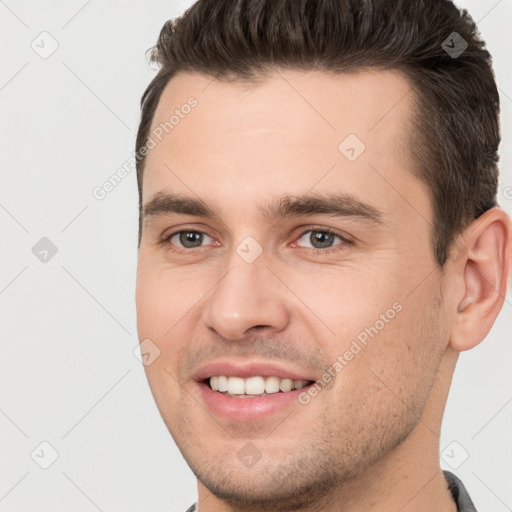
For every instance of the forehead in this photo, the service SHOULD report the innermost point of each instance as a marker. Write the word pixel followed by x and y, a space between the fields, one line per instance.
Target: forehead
pixel 304 102
pixel 293 131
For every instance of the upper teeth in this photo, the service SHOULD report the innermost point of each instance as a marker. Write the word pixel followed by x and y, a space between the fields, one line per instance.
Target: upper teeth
pixel 254 385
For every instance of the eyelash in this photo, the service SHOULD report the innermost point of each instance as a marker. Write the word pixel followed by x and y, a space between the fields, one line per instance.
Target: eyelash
pixel 343 240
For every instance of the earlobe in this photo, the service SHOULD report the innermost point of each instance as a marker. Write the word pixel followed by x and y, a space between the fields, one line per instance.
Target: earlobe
pixel 485 271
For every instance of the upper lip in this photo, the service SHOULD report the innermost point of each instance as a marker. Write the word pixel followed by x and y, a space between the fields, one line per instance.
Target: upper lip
pixel 249 369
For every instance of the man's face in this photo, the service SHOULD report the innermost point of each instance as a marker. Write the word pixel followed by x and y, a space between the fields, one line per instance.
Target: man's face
pixel 261 291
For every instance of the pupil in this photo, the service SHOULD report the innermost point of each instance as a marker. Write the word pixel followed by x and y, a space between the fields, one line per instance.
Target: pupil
pixel 190 238
pixel 320 239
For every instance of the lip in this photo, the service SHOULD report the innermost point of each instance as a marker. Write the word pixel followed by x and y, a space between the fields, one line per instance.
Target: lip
pixel 250 369
pixel 248 409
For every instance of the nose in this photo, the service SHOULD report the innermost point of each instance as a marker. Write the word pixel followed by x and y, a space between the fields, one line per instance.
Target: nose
pixel 247 296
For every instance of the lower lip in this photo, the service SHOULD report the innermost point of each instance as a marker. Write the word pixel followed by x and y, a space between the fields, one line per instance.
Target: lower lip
pixel 248 409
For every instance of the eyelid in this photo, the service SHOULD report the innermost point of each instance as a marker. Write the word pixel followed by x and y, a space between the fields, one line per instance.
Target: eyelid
pixel 174 231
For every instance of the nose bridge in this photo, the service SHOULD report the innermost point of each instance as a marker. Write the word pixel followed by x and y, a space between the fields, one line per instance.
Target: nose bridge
pixel 245 296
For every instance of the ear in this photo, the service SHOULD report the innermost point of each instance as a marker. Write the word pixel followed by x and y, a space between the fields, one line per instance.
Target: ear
pixel 482 270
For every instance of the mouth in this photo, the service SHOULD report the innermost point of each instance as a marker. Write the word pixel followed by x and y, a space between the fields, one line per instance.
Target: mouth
pixel 251 399
pixel 249 391
pixel 254 386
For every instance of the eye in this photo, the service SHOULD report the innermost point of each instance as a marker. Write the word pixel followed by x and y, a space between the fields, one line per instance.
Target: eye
pixel 188 239
pixel 321 239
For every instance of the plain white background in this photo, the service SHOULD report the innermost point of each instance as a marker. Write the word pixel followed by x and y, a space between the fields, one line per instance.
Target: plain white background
pixel 68 373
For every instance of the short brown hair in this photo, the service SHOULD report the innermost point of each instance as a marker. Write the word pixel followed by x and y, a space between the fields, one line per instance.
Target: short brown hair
pixel 456 119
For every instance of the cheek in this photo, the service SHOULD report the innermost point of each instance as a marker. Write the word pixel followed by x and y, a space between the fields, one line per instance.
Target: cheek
pixel 167 394
pixel 164 301
pixel 158 310
pixel 385 337
pixel 406 355
pixel 156 315
pixel 347 303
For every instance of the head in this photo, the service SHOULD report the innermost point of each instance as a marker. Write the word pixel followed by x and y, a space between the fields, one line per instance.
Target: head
pixel 325 205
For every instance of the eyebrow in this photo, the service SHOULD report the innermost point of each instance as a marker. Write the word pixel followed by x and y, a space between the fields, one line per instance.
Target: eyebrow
pixel 335 205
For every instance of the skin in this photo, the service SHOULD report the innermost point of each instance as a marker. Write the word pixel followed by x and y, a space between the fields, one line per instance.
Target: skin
pixel 370 440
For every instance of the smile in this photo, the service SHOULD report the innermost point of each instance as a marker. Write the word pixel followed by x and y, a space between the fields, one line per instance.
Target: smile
pixel 253 386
